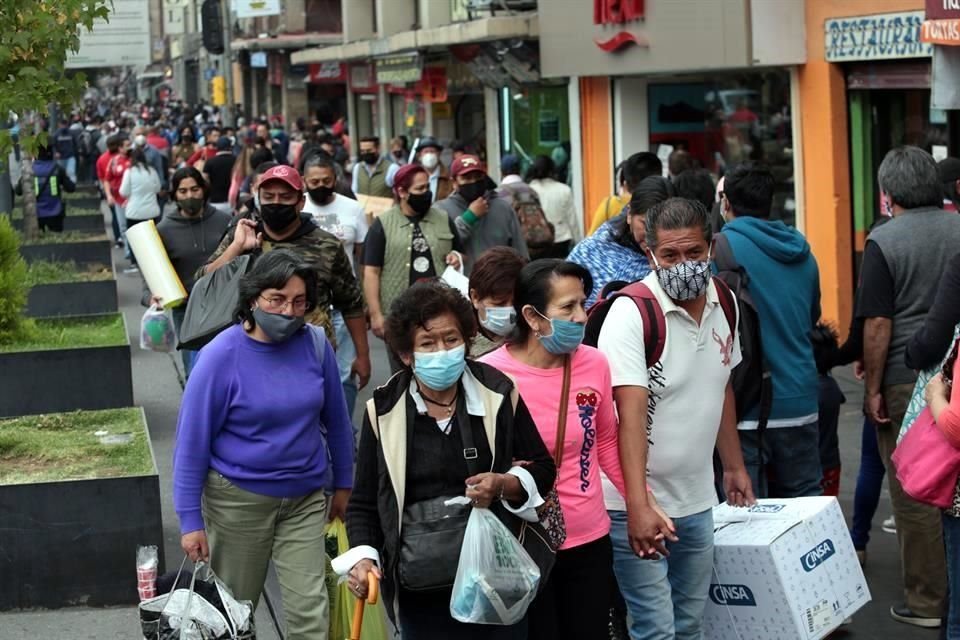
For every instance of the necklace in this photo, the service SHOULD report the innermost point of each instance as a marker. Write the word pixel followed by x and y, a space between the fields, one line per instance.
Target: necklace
pixel 448 406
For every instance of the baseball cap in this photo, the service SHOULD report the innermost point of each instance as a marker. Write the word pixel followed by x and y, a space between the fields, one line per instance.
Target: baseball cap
pixel 949 169
pixel 466 164
pixel 429 141
pixel 510 164
pixel 285 174
pixel 224 144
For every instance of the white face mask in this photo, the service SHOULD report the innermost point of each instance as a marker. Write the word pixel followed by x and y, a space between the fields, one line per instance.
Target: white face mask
pixel 430 161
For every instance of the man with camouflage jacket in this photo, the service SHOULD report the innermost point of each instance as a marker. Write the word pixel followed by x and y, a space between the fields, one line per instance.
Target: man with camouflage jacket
pixel 282 226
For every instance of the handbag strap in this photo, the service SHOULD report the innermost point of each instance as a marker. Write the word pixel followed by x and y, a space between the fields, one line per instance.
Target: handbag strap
pixel 465 426
pixel 562 415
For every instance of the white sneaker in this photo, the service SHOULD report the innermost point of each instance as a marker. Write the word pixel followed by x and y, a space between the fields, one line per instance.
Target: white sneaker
pixel 890 525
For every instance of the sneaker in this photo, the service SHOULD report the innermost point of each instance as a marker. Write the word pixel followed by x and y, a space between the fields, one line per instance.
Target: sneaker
pixel 118 244
pixel 901 613
pixel 132 269
pixel 890 525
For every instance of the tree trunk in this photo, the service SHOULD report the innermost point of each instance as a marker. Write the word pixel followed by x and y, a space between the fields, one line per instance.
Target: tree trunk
pixel 30 228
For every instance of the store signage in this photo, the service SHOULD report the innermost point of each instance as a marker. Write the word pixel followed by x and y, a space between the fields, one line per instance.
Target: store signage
pixel 943 9
pixel 615 15
pixel 258 59
pixel 399 69
pixel 945 32
pixel 327 72
pixel 433 86
pixel 882 36
pixel 256 8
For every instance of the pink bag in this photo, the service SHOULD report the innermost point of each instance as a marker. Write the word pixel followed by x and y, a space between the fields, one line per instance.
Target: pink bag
pixel 927 464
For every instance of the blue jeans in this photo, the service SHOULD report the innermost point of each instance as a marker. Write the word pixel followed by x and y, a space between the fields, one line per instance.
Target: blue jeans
pixel 666 597
pixel 791 454
pixel 869 485
pixel 189 357
pixel 70 166
pixel 346 354
pixel 951 540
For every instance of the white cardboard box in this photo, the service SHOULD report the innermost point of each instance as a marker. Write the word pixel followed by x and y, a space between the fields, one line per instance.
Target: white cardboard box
pixel 784 570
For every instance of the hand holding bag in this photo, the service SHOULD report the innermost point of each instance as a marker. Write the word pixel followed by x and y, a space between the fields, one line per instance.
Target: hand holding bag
pixel 927 464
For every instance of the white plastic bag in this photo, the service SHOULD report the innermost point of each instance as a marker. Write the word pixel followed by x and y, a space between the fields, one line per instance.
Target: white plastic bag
pixel 156 331
pixel 496 579
pixel 456 279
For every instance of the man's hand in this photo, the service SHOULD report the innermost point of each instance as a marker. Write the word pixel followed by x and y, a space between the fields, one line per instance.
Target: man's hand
pixel 647 529
pixel 480 207
pixel 376 324
pixel 338 504
pixel 361 369
pixel 245 236
pixel 875 407
pixel 194 544
pixel 738 488
pixel 858 371
pixel 110 201
pixel 453 259
pixel 156 301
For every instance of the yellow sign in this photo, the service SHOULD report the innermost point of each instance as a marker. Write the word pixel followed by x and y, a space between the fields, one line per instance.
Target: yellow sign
pixel 218 89
pixel 442 110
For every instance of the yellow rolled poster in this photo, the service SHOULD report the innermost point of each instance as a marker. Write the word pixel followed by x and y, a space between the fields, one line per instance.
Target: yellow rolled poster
pixel 162 279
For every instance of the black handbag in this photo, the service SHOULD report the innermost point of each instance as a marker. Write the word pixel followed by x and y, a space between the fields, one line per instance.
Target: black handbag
pixel 212 303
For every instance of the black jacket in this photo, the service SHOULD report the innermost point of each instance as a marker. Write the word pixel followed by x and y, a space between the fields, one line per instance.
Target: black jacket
pixel 930 344
pixel 376 505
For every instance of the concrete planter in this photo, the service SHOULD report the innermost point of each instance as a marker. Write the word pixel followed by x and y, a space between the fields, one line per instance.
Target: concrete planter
pixel 73 542
pixel 67 379
pixel 74 223
pixel 92 252
pixel 72 299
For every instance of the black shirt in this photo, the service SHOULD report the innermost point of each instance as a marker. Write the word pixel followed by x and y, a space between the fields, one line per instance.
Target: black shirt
pixel 375 248
pixel 219 168
pixel 877 288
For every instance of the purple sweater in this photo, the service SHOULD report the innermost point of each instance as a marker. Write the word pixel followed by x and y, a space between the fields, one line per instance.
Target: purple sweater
pixel 253 413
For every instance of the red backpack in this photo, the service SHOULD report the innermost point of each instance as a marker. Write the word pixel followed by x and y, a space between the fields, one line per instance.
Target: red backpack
pixel 654 322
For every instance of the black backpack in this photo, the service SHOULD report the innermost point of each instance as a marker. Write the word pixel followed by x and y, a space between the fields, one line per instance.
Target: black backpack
pixel 752 383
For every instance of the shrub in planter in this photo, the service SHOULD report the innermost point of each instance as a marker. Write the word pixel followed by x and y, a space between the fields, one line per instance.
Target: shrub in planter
pixel 79 492
pixel 68 289
pixel 13 292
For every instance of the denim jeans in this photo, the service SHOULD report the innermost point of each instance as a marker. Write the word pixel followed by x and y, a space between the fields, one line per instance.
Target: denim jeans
pixel 666 597
pixel 951 540
pixel 189 357
pixel 869 485
pixel 70 166
pixel 791 454
pixel 346 354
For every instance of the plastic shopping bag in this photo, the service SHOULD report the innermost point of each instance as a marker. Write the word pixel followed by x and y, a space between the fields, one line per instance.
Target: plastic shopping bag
pixel 496 579
pixel 156 331
pixel 342 600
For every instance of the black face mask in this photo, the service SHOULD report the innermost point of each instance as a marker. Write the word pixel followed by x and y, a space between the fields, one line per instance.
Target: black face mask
pixel 471 192
pixel 191 206
pixel 320 195
pixel 420 202
pixel 278 216
pixel 369 157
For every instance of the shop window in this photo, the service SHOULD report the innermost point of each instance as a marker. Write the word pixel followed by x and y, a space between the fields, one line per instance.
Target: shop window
pixel 537 123
pixel 727 119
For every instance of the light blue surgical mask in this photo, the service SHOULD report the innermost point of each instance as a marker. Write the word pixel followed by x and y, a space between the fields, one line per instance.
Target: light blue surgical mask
pixel 439 370
pixel 565 335
pixel 499 321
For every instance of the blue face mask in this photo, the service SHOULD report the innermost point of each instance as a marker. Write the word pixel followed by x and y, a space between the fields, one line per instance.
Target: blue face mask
pixel 439 370
pixel 565 336
pixel 499 321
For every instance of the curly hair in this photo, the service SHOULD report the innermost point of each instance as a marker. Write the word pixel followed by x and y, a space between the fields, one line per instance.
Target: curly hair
pixel 272 270
pixel 421 303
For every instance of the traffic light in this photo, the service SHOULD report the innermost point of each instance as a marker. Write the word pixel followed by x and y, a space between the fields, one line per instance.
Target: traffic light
pixel 218 89
pixel 212 26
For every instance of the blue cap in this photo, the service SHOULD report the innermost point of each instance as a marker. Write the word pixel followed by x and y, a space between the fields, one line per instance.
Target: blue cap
pixel 510 164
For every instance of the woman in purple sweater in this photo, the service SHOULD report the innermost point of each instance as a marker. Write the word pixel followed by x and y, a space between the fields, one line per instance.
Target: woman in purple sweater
pixel 263 434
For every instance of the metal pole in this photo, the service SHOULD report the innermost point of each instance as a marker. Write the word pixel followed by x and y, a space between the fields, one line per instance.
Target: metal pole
pixel 226 66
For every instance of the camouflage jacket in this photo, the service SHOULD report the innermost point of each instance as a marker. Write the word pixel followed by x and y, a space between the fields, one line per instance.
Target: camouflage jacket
pixel 337 286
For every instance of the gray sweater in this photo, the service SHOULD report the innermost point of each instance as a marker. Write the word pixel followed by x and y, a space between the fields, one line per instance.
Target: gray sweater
pixel 499 228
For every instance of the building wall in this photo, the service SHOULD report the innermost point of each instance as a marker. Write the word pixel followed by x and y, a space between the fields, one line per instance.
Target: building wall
pixel 596 136
pixel 826 152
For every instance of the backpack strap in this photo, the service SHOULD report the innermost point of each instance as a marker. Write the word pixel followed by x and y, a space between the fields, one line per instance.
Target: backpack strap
pixel 654 322
pixel 728 302
pixel 723 255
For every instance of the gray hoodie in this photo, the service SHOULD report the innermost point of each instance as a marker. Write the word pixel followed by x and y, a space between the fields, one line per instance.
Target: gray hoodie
pixel 190 241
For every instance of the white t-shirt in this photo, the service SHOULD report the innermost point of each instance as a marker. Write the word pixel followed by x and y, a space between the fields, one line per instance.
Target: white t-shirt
pixel 686 398
pixel 343 218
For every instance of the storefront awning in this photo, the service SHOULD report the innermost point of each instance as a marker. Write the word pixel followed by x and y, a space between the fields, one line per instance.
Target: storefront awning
pixel 483 30
pixel 285 41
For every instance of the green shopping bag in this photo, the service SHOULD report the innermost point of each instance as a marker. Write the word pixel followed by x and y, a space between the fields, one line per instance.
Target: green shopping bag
pixel 342 602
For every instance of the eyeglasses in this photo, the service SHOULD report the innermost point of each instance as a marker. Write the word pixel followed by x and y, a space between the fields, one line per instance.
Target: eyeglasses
pixel 279 304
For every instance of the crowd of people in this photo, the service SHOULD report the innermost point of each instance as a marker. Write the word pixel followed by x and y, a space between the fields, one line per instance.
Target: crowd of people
pixel 588 376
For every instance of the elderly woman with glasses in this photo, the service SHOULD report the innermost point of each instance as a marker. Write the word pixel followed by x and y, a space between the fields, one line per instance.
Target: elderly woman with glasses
pixel 263 437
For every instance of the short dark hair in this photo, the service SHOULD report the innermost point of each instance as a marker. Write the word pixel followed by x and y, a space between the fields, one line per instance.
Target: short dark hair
pixel 374 139
pixel 421 303
pixel 260 156
pixel 182 174
pixel 909 175
pixel 211 129
pixel 114 143
pixel 273 270
pixel 541 169
pixel 639 166
pixel 749 190
pixel 263 167
pixel 494 274
pixel 696 184
pixel 679 161
pixel 318 158
pixel 534 288
pixel 677 213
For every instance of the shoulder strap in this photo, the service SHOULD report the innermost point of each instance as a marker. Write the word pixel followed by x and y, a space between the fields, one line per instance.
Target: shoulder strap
pixel 319 342
pixel 654 322
pixel 723 254
pixel 728 302
pixel 562 415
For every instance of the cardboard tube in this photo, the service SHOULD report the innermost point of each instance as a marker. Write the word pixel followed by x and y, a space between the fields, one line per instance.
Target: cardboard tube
pixel 162 279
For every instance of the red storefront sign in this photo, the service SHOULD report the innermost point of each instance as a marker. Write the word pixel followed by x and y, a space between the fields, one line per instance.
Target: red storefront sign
pixel 327 72
pixel 616 13
pixel 433 84
pixel 943 9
